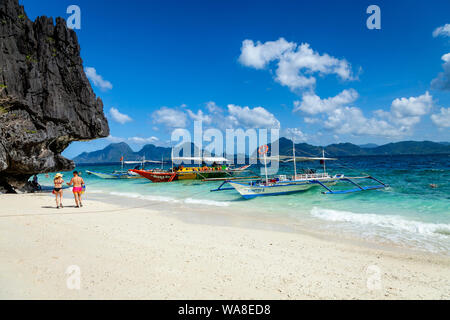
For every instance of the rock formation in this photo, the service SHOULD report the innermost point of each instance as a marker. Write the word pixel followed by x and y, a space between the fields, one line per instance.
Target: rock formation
pixel 46 100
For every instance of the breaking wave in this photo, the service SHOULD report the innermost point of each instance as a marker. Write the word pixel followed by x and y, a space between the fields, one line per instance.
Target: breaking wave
pixel 383 221
pixel 206 202
pixel 169 199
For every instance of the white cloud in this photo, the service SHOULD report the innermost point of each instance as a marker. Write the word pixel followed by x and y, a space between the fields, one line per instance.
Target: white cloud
pixel 232 117
pixel 140 140
pixel 259 55
pixel 442 82
pixel 312 104
pixel 296 134
pixel 171 118
pixel 351 120
pixel 310 120
pixel 443 31
pixel 442 119
pixel 119 117
pixel 200 116
pixel 296 63
pixel 251 118
pixel 212 107
pixel 115 139
pixel 408 111
pixel 136 140
pixel 341 118
pixel 97 79
pixel 292 63
pixel 218 116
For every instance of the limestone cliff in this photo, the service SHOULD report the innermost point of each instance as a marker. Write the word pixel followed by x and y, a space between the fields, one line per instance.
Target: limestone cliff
pixel 46 101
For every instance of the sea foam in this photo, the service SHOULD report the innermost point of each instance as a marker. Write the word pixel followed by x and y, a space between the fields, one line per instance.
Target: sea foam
pixel 144 197
pixel 169 199
pixel 384 221
pixel 206 202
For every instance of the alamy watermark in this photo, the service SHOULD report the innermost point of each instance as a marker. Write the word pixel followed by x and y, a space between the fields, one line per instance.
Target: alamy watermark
pixel 237 145
pixel 73 281
pixel 74 20
pixel 374 20
pixel 373 282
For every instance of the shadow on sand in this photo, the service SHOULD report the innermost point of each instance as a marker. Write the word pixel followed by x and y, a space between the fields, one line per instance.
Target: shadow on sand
pixel 53 207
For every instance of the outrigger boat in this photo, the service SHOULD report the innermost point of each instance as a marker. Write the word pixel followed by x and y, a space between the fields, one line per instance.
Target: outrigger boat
pixel 114 175
pixel 122 174
pixel 283 184
pixel 202 172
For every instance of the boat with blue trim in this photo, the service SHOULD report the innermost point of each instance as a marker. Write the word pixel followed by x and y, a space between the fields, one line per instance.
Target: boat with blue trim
pixel 282 184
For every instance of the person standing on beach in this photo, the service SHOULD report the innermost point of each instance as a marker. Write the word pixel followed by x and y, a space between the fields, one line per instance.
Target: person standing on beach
pixel 35 183
pixel 58 190
pixel 77 189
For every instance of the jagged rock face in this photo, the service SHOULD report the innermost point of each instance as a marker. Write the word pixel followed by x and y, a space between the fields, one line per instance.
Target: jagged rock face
pixel 46 100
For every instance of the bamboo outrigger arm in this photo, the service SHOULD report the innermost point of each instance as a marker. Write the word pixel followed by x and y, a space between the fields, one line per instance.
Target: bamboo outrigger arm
pixel 358 188
pixel 224 182
pixel 350 179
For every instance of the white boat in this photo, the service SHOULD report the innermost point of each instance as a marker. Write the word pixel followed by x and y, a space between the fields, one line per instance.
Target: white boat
pixel 282 184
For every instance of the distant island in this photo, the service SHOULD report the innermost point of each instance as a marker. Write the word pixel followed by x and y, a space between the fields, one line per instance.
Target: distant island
pixel 114 151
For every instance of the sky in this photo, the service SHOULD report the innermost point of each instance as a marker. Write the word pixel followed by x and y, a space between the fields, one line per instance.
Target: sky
pixel 313 69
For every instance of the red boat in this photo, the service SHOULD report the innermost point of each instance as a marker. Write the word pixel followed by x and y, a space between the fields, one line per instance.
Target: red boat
pixel 156 176
pixel 191 173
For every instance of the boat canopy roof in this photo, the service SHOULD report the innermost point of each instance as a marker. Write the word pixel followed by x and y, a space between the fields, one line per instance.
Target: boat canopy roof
pixel 299 159
pixel 290 158
pixel 200 159
pixel 139 162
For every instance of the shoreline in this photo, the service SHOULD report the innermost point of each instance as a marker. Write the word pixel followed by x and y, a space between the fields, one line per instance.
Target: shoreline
pixel 150 253
pixel 213 215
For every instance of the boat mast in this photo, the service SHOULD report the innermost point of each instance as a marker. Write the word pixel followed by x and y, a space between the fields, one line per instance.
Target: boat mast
pixel 171 156
pixel 265 167
pixel 324 166
pixel 121 161
pixel 295 162
pixel 143 162
pixel 162 161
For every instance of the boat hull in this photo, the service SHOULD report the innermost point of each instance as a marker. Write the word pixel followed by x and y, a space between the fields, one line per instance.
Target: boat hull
pixel 157 177
pixel 250 191
pixel 200 175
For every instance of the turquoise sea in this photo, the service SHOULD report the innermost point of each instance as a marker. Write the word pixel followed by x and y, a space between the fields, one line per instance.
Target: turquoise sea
pixel 409 213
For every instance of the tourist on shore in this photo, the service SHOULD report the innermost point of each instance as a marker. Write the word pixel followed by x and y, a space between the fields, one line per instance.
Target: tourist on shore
pixel 35 183
pixel 77 189
pixel 58 190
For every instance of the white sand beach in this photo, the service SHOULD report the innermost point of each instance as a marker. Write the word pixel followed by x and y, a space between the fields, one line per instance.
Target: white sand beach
pixel 153 252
